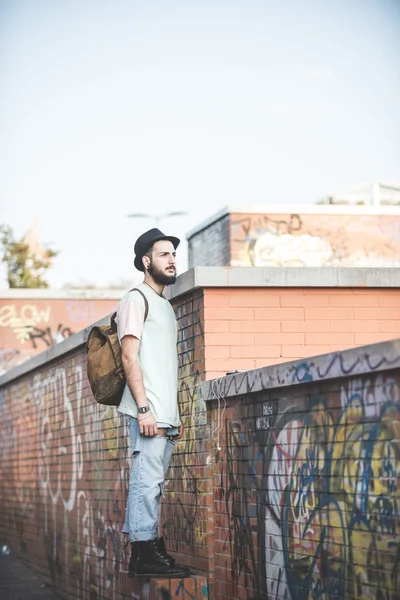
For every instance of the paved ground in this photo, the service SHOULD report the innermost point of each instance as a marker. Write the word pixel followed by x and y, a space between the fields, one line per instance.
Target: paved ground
pixel 18 582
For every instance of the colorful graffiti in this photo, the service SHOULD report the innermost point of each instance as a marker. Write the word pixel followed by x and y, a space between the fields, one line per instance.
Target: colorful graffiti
pixel 313 486
pixel 315 240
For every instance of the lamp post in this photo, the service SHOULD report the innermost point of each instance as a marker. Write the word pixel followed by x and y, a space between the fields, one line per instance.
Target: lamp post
pixel 157 218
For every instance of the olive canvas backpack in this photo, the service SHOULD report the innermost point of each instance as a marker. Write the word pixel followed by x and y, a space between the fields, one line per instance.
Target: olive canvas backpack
pixel 104 360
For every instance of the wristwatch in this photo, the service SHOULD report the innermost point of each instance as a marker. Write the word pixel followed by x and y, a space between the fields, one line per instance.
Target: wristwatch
pixel 143 409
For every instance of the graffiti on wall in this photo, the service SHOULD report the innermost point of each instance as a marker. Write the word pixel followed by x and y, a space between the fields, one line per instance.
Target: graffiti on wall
pixel 65 474
pixel 64 444
pixel 338 497
pixel 182 516
pixel 294 240
pixel 80 311
pixel 31 324
pixel 376 358
pixel 46 337
pixel 30 327
pixel 24 320
pixel 311 489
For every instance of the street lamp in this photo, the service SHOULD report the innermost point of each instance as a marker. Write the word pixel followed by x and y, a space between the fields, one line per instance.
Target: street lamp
pixel 157 218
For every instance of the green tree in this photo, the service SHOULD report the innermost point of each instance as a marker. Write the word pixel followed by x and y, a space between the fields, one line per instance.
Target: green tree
pixel 25 269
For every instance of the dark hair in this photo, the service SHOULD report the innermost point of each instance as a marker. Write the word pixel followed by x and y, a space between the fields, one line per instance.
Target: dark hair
pixel 149 252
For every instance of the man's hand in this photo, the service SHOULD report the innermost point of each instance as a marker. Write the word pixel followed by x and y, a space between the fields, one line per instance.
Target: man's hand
pixel 180 432
pixel 147 424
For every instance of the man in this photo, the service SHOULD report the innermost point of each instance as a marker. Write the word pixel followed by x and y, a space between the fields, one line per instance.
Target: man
pixel 147 332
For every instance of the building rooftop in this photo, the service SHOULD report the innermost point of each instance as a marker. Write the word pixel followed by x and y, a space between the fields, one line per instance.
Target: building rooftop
pixel 377 193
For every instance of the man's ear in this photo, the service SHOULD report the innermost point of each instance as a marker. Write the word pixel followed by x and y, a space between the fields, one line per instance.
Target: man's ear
pixel 146 262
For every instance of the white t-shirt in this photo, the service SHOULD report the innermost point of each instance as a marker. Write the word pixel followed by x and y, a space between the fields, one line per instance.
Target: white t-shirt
pixel 157 356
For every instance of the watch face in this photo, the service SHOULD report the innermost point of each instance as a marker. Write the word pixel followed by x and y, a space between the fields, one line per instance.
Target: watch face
pixel 143 409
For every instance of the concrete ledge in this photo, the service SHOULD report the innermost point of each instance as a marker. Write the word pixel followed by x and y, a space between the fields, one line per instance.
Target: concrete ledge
pixel 321 277
pixel 355 361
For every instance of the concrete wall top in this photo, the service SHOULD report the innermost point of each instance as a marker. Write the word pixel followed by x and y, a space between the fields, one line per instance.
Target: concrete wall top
pixel 233 277
pixel 320 277
pixel 305 209
pixel 355 361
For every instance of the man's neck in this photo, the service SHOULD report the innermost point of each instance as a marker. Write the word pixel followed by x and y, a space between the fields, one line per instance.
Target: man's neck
pixel 158 288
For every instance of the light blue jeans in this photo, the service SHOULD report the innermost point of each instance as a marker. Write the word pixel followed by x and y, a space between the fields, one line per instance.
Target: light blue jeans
pixel 150 460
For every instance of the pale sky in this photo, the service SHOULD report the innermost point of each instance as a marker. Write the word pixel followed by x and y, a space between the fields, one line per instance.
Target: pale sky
pixel 109 108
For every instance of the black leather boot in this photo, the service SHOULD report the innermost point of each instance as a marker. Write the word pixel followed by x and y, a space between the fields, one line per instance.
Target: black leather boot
pixel 147 561
pixel 162 548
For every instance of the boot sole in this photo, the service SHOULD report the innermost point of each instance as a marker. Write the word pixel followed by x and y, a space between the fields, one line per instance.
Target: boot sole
pixel 161 575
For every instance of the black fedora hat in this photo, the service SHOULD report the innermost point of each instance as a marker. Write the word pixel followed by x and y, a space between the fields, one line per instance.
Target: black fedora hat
pixel 146 240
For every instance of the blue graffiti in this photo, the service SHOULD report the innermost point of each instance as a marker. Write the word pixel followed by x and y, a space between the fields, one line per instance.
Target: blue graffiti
pixel 363 456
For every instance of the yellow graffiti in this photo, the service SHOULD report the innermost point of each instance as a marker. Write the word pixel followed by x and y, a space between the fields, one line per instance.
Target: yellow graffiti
pixel 111 425
pixel 345 502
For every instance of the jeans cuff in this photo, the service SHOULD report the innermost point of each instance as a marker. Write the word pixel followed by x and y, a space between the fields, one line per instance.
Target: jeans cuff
pixel 144 536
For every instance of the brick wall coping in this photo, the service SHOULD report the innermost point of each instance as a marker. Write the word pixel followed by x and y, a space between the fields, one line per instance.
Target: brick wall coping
pixel 320 277
pixel 382 356
pixel 240 277
pixel 61 294
pixel 304 209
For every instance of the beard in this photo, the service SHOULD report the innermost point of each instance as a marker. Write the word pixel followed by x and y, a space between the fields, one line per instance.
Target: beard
pixel 161 277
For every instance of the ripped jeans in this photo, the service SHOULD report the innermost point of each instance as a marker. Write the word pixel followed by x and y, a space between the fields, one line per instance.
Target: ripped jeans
pixel 150 460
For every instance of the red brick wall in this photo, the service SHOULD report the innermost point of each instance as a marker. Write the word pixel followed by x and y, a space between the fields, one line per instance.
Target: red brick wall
pixel 306 483
pixel 251 328
pixel 30 326
pixel 64 475
pixel 65 460
pixel 187 510
pixel 65 470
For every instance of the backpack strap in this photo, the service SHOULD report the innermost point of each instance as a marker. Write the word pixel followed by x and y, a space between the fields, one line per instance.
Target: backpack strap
pixel 146 302
pixel 146 309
